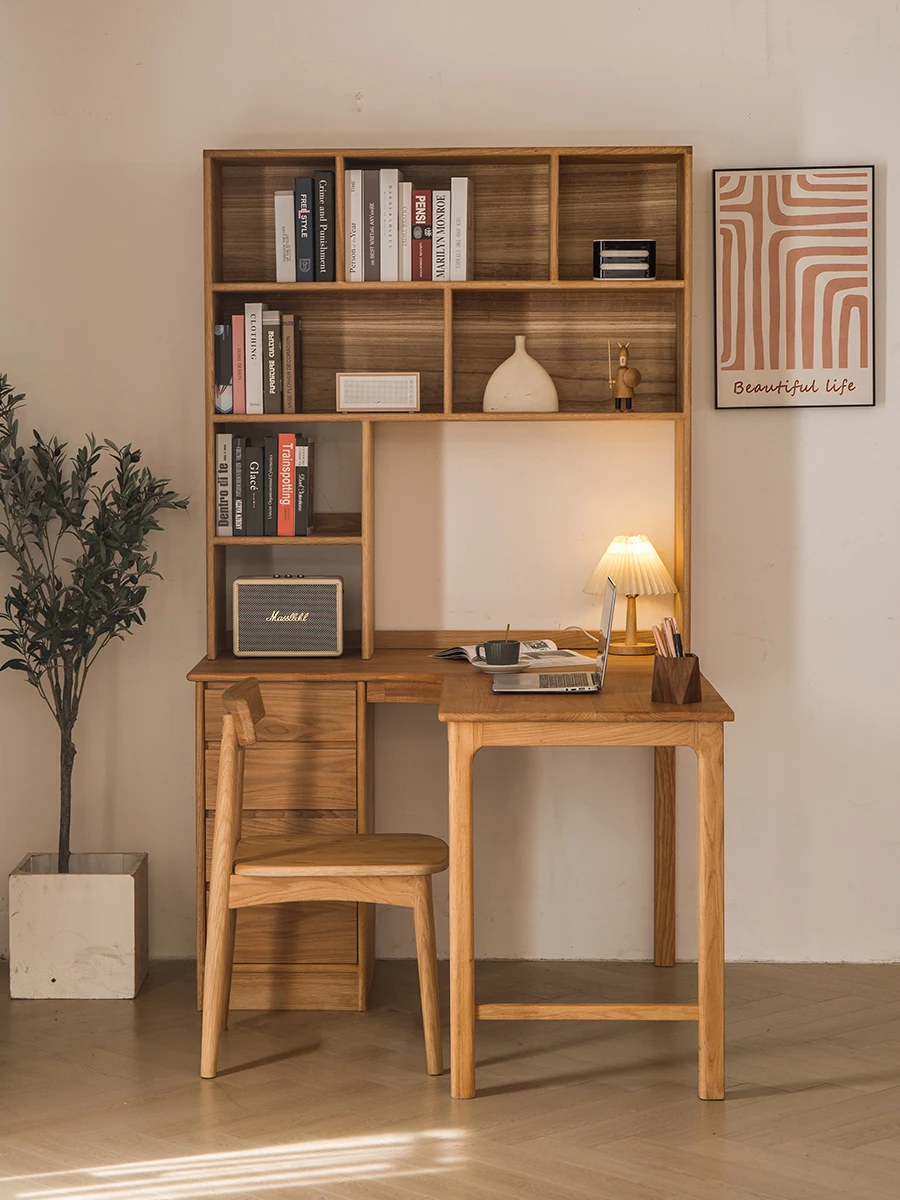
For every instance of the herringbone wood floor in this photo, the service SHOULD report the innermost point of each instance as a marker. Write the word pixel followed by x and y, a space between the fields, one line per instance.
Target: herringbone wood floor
pixel 101 1100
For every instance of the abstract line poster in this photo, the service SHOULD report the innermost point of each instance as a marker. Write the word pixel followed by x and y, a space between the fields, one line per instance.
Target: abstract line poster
pixel 793 261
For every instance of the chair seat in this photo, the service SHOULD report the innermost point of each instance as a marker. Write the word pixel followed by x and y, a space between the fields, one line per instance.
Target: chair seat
pixel 354 854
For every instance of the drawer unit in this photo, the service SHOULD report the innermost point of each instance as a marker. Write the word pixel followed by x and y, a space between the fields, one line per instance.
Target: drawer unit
pixel 291 776
pixel 295 712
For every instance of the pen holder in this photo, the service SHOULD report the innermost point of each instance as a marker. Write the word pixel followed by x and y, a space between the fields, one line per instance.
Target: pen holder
pixel 676 680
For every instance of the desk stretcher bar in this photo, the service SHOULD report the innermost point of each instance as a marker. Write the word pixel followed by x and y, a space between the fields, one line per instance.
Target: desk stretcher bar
pixel 587 1012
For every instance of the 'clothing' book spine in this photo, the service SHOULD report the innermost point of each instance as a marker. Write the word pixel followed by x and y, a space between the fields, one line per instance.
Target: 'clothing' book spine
pixel 301 487
pixel 270 475
pixel 371 227
pixel 440 233
pixel 389 179
pixel 288 364
pixel 237 362
pixel 285 254
pixel 285 487
pixel 224 526
pixel 237 487
pixel 224 369
pixel 353 268
pixel 405 232
pixel 421 234
pixel 253 491
pixel 303 228
pixel 271 324
pixel 462 229
pixel 253 356
pixel 324 200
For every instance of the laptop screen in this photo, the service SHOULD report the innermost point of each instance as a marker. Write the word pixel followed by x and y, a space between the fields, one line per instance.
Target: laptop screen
pixel 606 620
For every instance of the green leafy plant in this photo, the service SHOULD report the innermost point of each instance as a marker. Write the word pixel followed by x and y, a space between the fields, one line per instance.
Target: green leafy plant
pixel 79 548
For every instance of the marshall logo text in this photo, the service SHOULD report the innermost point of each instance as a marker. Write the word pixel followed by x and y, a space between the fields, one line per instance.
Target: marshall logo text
pixel 277 615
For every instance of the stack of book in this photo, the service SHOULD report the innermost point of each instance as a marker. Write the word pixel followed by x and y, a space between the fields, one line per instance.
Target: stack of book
pixel 398 232
pixel 264 485
pixel 304 230
pixel 258 362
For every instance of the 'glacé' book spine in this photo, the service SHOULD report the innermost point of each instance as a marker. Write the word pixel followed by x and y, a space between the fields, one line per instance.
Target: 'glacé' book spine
pixel 288 364
pixel 462 229
pixel 237 362
pixel 270 475
pixel 324 234
pixel 237 487
pixel 421 233
pixel 440 234
pixel 253 491
pixel 224 369
pixel 285 484
pixel 304 225
pixel 285 254
pixel 223 485
pixel 253 357
pixel 405 271
pixel 353 268
pixel 371 227
pixel 271 323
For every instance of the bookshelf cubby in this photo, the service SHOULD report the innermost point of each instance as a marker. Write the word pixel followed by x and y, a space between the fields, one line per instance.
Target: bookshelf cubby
pixel 537 213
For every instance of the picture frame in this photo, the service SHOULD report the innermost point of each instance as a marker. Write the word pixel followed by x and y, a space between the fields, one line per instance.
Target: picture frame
pixel 794 264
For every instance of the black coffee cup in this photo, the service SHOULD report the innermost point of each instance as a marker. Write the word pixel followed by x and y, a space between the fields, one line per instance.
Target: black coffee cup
pixel 498 653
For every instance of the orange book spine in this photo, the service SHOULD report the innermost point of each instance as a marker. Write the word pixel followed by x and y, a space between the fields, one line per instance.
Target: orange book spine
pixel 285 492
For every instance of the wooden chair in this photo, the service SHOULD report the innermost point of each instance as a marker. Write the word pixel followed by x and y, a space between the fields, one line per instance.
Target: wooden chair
pixel 372 868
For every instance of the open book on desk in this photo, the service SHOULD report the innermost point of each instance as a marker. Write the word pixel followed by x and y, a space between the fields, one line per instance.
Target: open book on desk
pixel 543 654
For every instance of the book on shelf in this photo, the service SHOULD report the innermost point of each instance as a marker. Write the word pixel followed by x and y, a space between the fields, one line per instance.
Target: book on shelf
pixel 298 365
pixel 304 225
pixel 371 226
pixel 421 234
pixel 285 254
pixel 270 475
pixel 237 361
pixel 304 520
pixel 239 527
pixel 253 357
pixel 224 366
pixel 287 444
pixel 324 226
pixel 353 187
pixel 223 485
pixel 289 329
pixel 271 327
pixel 462 228
pixel 389 180
pixel 254 491
pixel 440 234
pixel 405 232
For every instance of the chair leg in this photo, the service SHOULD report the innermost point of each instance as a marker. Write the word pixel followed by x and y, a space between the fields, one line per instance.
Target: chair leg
pixel 216 980
pixel 426 952
pixel 229 964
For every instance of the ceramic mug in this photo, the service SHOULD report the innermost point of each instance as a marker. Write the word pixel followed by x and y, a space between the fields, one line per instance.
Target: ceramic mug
pixel 498 654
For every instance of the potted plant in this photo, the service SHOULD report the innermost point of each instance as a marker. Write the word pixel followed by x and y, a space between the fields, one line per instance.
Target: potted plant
pixel 78 544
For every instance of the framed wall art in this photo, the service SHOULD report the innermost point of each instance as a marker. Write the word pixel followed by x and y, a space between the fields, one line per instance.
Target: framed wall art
pixel 793 261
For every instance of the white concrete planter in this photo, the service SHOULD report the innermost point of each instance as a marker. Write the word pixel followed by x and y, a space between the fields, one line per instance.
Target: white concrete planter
pixel 78 936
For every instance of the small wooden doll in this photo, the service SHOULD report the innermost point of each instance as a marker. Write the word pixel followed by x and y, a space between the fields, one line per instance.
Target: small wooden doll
pixel 626 378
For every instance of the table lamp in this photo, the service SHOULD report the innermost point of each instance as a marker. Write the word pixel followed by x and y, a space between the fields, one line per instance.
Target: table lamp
pixel 637 570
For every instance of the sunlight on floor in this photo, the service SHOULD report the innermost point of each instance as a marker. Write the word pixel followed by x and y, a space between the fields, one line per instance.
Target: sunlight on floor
pixel 301 1164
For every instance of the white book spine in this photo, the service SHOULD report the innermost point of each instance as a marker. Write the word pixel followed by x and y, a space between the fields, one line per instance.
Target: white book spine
pixel 440 234
pixel 224 526
pixel 253 357
pixel 389 197
pixel 462 229
pixel 285 258
pixel 405 232
pixel 353 215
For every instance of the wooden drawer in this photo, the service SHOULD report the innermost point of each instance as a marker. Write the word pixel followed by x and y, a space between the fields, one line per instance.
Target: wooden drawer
pixel 292 776
pixel 284 824
pixel 291 986
pixel 311 932
pixel 295 712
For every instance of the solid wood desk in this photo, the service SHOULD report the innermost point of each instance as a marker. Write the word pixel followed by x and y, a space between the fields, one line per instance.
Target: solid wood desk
pixel 621 715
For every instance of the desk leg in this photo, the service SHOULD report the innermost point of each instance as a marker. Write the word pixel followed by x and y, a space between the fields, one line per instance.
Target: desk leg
pixel 462 745
pixel 664 856
pixel 709 745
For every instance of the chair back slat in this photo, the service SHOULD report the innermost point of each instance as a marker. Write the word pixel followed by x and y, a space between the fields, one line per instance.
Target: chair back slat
pixel 245 703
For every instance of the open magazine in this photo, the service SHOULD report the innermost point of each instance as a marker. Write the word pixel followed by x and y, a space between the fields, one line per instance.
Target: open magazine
pixel 543 654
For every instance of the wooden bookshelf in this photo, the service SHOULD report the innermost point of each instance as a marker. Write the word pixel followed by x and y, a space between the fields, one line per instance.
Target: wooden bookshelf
pixel 537 212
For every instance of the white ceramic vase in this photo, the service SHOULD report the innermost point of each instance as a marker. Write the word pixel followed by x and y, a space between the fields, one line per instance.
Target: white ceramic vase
pixel 520 385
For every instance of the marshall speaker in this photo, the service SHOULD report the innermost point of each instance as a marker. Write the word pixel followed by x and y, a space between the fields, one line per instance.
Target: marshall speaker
pixel 299 616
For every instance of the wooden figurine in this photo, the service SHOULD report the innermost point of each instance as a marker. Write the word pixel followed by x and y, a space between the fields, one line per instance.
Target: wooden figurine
pixel 626 378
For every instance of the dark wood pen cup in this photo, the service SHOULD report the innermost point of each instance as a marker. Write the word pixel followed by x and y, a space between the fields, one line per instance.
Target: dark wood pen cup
pixel 676 680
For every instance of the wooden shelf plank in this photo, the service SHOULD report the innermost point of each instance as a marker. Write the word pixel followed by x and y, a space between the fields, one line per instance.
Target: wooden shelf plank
pixel 311 418
pixel 332 529
pixel 469 285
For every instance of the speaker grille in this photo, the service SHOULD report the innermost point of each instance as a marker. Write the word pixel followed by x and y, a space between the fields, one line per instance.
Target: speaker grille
pixel 257 633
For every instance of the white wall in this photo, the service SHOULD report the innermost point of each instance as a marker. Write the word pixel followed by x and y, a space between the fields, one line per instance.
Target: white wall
pixel 107 107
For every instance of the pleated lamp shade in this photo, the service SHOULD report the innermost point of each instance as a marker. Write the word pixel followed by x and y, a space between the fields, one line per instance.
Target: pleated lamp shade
pixel 634 567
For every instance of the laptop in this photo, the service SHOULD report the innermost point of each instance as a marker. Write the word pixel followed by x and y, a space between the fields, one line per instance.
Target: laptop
pixel 568 681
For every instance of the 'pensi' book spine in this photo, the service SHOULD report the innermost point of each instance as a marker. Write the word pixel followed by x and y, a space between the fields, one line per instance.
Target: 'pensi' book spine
pixel 421 234
pixel 223 485
pixel 304 225
pixel 324 233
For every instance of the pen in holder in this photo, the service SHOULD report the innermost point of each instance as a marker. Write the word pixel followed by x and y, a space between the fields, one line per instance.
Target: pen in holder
pixel 676 680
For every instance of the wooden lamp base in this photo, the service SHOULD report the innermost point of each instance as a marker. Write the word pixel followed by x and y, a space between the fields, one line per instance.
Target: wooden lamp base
pixel 631 642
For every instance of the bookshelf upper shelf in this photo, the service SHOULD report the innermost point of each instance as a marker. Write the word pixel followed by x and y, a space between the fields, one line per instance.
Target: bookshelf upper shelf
pixel 469 285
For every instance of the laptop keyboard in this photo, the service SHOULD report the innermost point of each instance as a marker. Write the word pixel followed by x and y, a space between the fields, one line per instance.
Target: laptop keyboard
pixel 566 679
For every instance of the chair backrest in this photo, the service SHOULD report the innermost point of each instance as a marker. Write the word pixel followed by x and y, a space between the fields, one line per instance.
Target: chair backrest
pixel 244 702
pixel 244 709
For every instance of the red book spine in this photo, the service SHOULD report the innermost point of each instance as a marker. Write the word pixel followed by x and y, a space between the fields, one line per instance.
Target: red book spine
pixel 237 360
pixel 285 489
pixel 421 234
